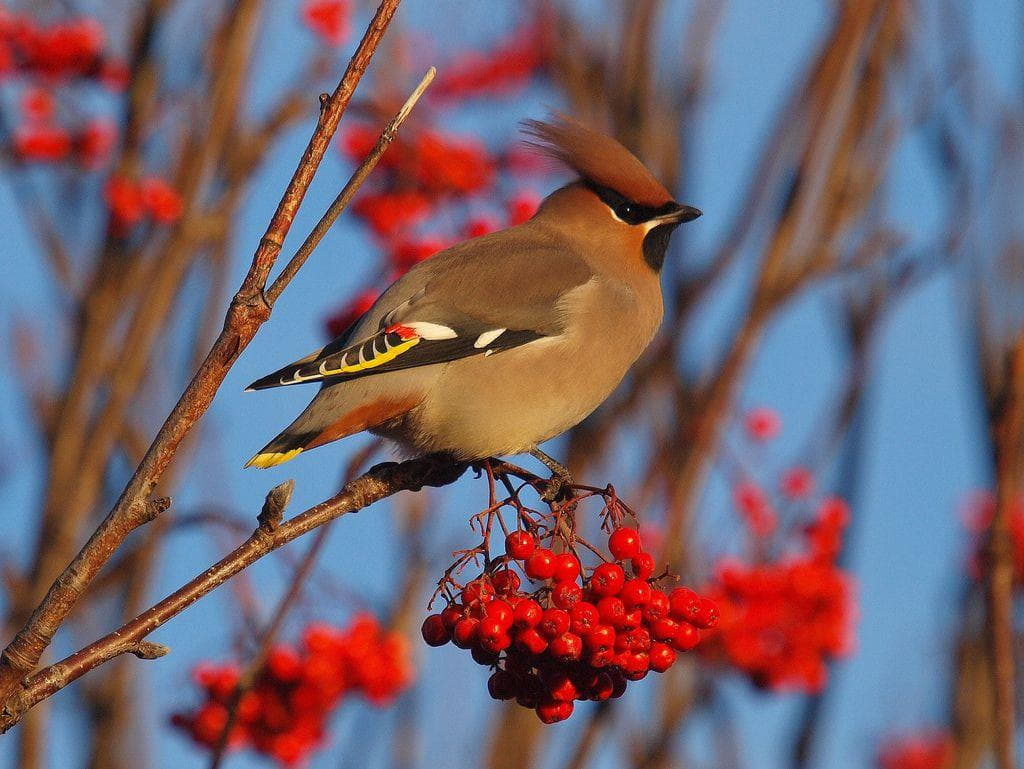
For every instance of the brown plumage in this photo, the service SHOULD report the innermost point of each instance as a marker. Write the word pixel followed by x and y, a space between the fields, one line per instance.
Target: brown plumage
pixel 498 344
pixel 597 158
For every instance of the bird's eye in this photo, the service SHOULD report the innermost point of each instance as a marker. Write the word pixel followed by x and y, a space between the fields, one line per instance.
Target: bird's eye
pixel 624 212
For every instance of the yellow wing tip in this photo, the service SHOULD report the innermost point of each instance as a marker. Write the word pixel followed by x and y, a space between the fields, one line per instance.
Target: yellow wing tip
pixel 272 459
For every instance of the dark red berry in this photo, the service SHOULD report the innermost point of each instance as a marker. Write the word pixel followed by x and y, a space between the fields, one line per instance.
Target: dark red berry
pixel 552 711
pixel 530 641
pixel 500 610
pixel 477 590
pixel 567 647
pixel 482 656
pixel 501 685
pixel 624 543
pixel 612 610
pixel 601 688
pixel 565 595
pixel 505 581
pixel 656 608
pixel 540 565
pixel 686 638
pixel 707 613
pixel 583 618
pixel 434 631
pixel 465 633
pixel 643 565
pixel 635 592
pixel 554 622
pixel 560 686
pixel 451 616
pixel 527 614
pixel 601 638
pixel 607 579
pixel 684 603
pixel 520 544
pixel 661 656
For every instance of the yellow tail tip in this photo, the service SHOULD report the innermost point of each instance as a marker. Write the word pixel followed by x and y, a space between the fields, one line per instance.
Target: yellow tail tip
pixel 272 459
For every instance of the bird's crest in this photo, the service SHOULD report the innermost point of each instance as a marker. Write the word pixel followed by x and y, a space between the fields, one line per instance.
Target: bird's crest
pixel 596 157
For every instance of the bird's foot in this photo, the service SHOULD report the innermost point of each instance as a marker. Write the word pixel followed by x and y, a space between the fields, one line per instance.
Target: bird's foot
pixel 560 485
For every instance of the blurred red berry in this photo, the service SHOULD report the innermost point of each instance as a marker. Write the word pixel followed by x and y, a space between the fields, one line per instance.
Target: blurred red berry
pixel 41 143
pixel 797 483
pixel 161 200
pixel 762 424
pixel 327 18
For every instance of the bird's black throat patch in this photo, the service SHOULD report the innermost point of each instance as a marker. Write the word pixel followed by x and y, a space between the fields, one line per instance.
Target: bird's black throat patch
pixel 656 244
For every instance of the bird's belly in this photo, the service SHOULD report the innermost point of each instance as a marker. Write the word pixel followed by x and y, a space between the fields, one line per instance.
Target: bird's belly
pixel 509 402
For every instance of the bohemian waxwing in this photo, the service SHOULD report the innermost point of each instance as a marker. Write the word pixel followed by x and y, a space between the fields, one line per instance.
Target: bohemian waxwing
pixel 497 344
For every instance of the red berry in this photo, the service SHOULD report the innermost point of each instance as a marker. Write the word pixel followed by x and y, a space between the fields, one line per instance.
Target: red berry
pixel 465 633
pixel 567 647
pixel 602 687
pixel 612 610
pixel 560 686
pixel 665 629
pixel 527 614
pixel 684 603
pixel 662 657
pixel 520 545
pixel 618 683
pixel 567 567
pixel 554 622
pixel 531 641
pixel 583 618
pixel 624 543
pixel 501 685
pixel 500 611
pixel 631 620
pixel 686 638
pixel 643 565
pixel 635 592
pixel 601 638
pixel 505 581
pixel 540 565
pixel 565 595
pixel 451 616
pixel 636 665
pixel 495 643
pixel 552 711
pixel 434 631
pixel 657 608
pixel 477 590
pixel 707 614
pixel 483 657
pixel 607 579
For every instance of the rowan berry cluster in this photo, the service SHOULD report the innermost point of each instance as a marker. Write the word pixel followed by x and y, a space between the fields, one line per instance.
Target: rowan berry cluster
pixel 568 634
pixel 783 620
pixel 131 200
pixel 285 713
pixel 328 19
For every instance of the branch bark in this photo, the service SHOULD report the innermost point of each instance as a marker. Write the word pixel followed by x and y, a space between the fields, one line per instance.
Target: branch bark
pixel 249 309
pixel 379 482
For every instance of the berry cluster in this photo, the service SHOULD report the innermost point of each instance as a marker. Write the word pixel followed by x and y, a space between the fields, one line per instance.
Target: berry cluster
pixel 576 637
pixel 130 200
pixel 927 750
pixel 284 714
pixel 783 620
pixel 60 51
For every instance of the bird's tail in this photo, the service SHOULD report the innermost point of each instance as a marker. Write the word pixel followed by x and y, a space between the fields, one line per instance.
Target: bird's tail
pixel 285 446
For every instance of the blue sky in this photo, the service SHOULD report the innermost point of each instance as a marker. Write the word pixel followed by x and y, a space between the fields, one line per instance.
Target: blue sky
pixel 925 442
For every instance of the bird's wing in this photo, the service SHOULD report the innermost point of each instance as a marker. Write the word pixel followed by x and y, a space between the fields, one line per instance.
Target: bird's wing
pixel 469 300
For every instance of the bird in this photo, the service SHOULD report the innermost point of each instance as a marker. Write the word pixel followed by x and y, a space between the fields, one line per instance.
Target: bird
pixel 497 344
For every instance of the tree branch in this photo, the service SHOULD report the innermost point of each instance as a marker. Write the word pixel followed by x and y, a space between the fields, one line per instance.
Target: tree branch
pixel 379 482
pixel 249 309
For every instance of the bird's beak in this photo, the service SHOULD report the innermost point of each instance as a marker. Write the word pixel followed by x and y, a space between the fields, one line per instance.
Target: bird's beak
pixel 681 214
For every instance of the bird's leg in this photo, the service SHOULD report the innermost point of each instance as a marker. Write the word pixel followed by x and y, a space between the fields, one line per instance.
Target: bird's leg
pixel 561 478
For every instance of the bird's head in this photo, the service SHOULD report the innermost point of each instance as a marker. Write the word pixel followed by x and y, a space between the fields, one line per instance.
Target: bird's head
pixel 614 185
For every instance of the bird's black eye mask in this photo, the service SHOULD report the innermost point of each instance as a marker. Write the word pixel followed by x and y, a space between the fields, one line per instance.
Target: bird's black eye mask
pixel 628 210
